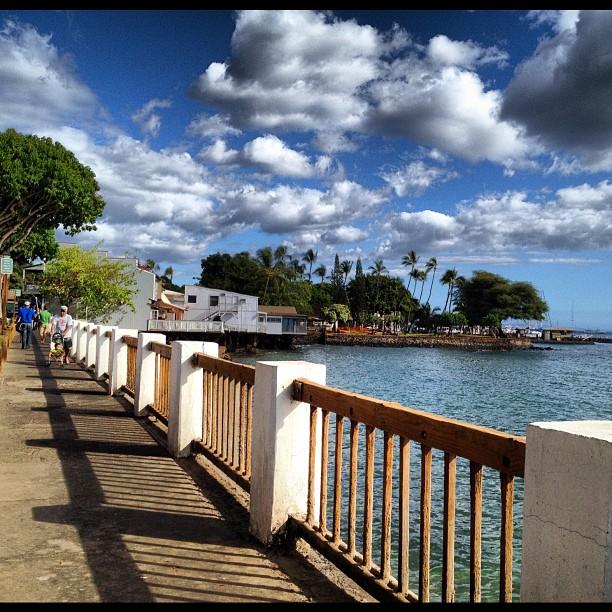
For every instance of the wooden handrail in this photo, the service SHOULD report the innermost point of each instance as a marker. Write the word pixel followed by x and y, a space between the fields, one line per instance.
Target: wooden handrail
pixel 482 445
pixel 237 371
pixel 130 341
pixel 161 349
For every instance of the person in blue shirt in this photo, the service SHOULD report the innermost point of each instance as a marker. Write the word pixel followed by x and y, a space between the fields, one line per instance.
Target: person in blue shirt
pixel 26 316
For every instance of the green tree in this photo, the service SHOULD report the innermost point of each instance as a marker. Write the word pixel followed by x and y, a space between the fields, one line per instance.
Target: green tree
pixel 411 259
pixel 321 271
pixel 486 294
pixel 40 244
pixel 358 268
pixel 310 257
pixel 336 313
pixel 99 286
pixel 448 278
pixel 432 264
pixel 43 186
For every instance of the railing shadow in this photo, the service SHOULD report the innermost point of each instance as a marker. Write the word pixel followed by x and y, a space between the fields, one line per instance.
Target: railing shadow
pixel 147 531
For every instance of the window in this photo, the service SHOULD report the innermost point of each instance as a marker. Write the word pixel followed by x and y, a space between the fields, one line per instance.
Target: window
pixel 191 299
pixel 214 300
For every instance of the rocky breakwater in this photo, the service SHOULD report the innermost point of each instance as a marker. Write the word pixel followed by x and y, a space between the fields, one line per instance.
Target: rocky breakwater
pixel 460 341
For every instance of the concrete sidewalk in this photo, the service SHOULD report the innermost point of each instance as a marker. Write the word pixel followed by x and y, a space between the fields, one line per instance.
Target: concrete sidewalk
pixel 94 509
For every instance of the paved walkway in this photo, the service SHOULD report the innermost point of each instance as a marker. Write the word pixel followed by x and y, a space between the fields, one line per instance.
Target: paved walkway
pixel 94 509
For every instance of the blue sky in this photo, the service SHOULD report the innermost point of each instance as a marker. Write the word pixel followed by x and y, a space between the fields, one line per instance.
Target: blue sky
pixel 482 138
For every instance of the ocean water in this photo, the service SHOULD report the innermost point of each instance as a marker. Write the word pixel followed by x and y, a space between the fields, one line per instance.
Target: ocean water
pixel 502 390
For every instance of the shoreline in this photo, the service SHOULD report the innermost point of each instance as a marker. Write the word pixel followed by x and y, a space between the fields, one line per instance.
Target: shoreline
pixel 464 342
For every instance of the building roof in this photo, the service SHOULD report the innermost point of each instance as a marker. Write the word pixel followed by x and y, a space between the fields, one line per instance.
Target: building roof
pixel 288 311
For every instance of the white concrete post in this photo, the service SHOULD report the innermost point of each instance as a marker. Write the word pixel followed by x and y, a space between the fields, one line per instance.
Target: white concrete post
pixel 76 330
pixel 102 352
pixel 145 372
pixel 567 513
pixel 82 346
pixel 280 446
pixel 119 358
pixel 90 346
pixel 186 395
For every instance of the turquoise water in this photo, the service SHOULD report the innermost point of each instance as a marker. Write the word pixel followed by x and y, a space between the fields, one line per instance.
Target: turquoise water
pixel 502 390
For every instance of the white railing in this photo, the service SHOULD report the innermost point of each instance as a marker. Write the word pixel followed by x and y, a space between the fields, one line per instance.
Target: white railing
pixel 188 326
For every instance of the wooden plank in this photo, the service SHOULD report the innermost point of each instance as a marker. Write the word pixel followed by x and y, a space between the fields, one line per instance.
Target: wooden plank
pixel 352 518
pixel 206 407
pixel 338 479
pixel 242 434
pixel 448 536
pixel 404 516
pixel 385 542
pixel 498 450
pixel 160 349
pixel 368 498
pixel 130 341
pixel 475 530
pixel 225 418
pixel 425 523
pixel 324 464
pixel 311 465
pixel 248 429
pixel 505 578
pixel 237 371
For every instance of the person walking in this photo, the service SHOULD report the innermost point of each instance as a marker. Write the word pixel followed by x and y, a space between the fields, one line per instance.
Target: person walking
pixel 25 316
pixel 45 322
pixel 63 324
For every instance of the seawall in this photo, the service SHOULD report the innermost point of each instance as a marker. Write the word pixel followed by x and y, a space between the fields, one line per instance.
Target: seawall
pixel 465 342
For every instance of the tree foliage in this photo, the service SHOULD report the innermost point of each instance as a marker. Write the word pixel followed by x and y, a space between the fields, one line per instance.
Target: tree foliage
pixel 43 186
pixel 84 278
pixel 490 297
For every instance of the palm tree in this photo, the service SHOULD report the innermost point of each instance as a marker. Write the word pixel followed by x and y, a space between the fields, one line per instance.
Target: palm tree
pixel 154 267
pixel 265 258
pixel 432 264
pixel 378 268
pixel 280 254
pixel 295 270
pixel 321 271
pixel 169 272
pixel 411 260
pixel 414 275
pixel 346 267
pixel 422 277
pixel 310 257
pixel 448 278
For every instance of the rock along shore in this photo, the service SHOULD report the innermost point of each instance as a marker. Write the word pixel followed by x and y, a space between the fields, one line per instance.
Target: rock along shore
pixel 465 342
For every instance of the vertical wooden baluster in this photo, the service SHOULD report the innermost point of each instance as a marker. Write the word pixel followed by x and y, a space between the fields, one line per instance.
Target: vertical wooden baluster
pixel 475 530
pixel 219 412
pixel 248 430
pixel 368 498
pixel 425 523
pixel 213 415
pixel 207 406
pixel 233 441
pixel 448 537
pixel 404 516
pixel 242 408
pixel 311 465
pixel 225 418
pixel 324 461
pixel 505 578
pixel 352 519
pixel 228 406
pixel 385 542
pixel 338 478
pixel 156 384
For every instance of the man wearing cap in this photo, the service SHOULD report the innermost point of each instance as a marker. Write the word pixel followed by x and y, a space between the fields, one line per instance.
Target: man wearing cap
pixel 63 324
pixel 26 316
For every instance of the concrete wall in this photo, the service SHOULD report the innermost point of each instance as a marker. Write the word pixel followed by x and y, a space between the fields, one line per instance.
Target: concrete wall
pixel 145 291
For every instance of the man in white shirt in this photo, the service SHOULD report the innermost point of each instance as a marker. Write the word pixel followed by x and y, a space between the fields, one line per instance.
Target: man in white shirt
pixel 63 324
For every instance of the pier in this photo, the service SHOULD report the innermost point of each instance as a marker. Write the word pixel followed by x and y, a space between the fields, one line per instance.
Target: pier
pixel 150 471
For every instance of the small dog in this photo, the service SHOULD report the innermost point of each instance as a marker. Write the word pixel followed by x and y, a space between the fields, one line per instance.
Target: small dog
pixel 56 350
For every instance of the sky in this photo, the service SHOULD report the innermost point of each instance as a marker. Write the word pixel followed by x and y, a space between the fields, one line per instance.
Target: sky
pixel 480 138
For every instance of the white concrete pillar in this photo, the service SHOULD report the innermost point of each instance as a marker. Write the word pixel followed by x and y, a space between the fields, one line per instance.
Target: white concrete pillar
pixel 103 344
pixel 279 447
pixel 567 512
pixel 76 330
pixel 186 395
pixel 119 358
pixel 82 344
pixel 90 346
pixel 145 372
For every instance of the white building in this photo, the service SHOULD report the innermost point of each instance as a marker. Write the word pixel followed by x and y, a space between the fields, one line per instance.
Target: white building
pixel 216 310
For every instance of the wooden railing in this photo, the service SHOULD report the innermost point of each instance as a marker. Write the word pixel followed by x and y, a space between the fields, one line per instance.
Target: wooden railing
pixel 161 397
pixel 132 343
pixel 481 446
pixel 227 416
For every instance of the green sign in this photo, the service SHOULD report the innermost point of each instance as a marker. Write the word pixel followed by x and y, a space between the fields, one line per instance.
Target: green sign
pixel 6 265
